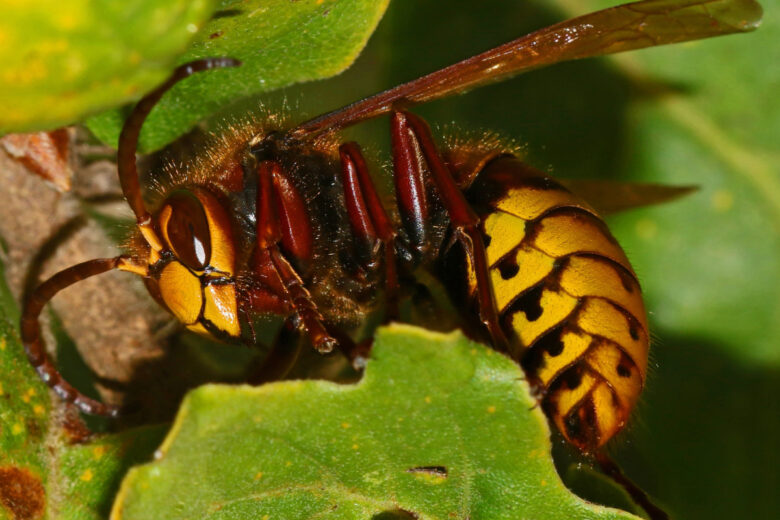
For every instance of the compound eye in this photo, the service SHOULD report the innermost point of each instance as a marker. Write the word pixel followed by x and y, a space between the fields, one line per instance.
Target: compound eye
pixel 186 228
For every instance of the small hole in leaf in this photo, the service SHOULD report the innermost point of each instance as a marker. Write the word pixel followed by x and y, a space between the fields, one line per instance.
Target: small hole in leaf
pixel 226 13
pixel 396 514
pixel 439 471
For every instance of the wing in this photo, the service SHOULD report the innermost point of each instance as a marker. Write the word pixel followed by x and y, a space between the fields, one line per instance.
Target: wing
pixel 608 197
pixel 617 29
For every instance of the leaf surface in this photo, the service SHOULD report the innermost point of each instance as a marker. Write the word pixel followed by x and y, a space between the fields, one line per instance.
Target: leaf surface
pixel 65 61
pixel 439 427
pixel 279 43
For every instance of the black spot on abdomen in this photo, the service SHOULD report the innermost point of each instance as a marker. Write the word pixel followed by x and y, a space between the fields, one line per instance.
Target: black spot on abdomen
pixel 574 426
pixel 529 303
pixel 508 267
pixel 572 377
pixel 552 342
pixel 633 332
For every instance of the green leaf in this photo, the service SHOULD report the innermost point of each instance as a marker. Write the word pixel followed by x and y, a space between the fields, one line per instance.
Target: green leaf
pixel 42 474
pixel 439 427
pixel 63 62
pixel 279 43
pixel 24 418
pixel 91 472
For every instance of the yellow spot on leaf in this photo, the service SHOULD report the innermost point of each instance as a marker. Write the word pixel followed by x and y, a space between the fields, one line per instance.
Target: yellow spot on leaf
pixel 543 483
pixel 87 475
pixel 288 463
pixel 259 475
pixel 491 409
pixel 428 399
pixel 345 425
pixel 430 478
pixel 1 388
pixel 2 344
pixel 266 517
pixel 722 201
pixel 67 20
pixel 535 454
pixel 98 452
pixel 17 428
pixel 28 395
pixel 355 446
pixel 38 409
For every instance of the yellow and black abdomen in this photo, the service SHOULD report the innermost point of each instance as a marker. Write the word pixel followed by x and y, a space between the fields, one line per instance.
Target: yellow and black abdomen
pixel 567 296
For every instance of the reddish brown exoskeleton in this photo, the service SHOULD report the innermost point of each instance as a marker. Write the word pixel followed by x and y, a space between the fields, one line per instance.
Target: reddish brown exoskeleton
pixel 285 223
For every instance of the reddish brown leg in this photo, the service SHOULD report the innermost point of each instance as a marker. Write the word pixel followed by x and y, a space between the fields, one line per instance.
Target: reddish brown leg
pixel 31 333
pixel 269 236
pixel 294 223
pixel 281 358
pixel 356 353
pixel 463 219
pixel 609 467
pixel 369 220
pixel 410 183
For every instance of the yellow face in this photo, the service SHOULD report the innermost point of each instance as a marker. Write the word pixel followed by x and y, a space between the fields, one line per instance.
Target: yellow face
pixel 192 272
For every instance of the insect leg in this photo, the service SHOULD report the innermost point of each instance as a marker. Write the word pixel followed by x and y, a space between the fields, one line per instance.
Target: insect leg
pixel 282 357
pixel 31 332
pixel 410 188
pixel 463 219
pixel 269 236
pixel 611 469
pixel 369 220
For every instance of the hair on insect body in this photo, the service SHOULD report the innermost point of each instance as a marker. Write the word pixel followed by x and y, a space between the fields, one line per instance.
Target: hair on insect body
pixel 286 223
